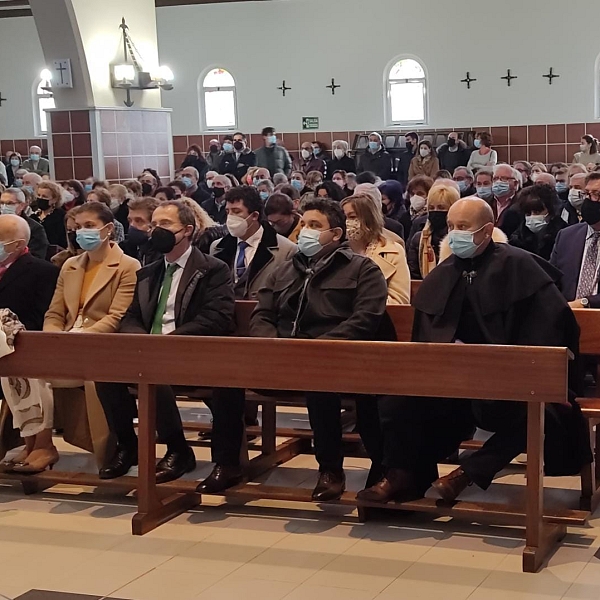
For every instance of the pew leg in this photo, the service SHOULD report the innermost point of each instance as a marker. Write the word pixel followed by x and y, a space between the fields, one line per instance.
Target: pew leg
pixel 363 514
pixel 152 511
pixel 269 428
pixel 540 538
pixel 588 476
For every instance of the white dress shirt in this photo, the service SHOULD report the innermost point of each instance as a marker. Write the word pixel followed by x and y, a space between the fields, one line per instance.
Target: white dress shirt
pixel 168 324
pixel 253 241
pixel 588 242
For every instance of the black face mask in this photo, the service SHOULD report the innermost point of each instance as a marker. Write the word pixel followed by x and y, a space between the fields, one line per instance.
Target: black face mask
pixel 437 219
pixel 409 146
pixel 43 204
pixel 214 149
pixel 137 236
pixel 146 189
pixel 72 237
pixel 451 142
pixel 218 192
pixel 590 211
pixel 163 240
pixel 239 146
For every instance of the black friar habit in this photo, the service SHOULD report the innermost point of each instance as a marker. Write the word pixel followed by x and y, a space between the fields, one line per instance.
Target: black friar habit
pixel 504 296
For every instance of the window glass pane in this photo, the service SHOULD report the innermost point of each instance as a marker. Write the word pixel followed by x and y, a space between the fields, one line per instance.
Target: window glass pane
pixel 45 103
pixel 218 78
pixel 219 108
pixel 407 102
pixel 407 69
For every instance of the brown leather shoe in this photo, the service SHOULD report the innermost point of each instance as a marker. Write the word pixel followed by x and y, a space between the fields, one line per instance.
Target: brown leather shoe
pixel 452 485
pixel 396 485
pixel 330 486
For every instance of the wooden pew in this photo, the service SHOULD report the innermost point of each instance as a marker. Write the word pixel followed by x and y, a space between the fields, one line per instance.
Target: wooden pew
pixel 392 368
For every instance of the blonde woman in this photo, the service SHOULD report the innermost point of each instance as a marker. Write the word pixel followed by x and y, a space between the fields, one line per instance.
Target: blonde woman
pixel 364 229
pixel 207 231
pixel 424 246
pixel 49 199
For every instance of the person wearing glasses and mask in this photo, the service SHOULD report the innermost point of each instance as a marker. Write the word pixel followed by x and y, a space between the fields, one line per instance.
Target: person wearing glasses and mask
pixel 505 185
pixel 49 213
pixel 237 159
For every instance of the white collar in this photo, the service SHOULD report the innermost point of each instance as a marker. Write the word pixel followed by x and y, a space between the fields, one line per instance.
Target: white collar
pixel 254 240
pixel 182 260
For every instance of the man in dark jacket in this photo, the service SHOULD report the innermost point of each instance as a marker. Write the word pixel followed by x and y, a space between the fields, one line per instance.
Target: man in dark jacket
pixel 486 293
pixel 465 179
pixel 137 242
pixel 376 158
pixel 412 147
pixel 13 202
pixel 454 153
pixel 186 293
pixel 26 283
pixel 325 292
pixel 239 160
pixel 271 156
pixel 195 191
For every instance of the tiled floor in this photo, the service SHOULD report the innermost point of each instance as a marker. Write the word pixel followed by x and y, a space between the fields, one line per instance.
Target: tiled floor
pixel 74 543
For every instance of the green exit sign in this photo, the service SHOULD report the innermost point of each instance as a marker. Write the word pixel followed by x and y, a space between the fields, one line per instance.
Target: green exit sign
pixel 310 122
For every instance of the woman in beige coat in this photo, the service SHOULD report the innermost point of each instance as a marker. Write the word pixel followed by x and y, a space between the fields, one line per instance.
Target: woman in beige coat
pixel 93 292
pixel 364 228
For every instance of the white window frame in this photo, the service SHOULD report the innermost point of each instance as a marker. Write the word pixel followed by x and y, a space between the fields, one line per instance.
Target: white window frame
pixel 388 89
pixel 597 88
pixel 202 103
pixel 37 122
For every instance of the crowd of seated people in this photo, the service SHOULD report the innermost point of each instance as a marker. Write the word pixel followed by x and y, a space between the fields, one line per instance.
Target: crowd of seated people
pixel 323 244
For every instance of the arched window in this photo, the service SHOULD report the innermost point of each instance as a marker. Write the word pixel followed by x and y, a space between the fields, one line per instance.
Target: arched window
pixel 406 93
pixel 43 100
pixel 218 93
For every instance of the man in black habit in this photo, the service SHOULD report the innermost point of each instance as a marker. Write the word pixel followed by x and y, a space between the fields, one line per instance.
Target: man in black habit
pixel 486 293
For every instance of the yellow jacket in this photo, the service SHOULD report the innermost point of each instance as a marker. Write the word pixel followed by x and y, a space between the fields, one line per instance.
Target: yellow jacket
pixel 390 257
pixel 109 297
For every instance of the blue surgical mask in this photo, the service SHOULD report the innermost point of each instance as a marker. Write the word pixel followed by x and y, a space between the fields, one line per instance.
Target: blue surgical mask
pixel 373 146
pixel 297 184
pixel 535 223
pixel 462 244
pixel 8 209
pixel 309 242
pixel 227 147
pixel 500 188
pixel 89 239
pixel 484 191
pixel 18 183
pixel 28 188
pixel 187 181
pixel 264 195
pixel 256 181
pixel 561 187
pixel 316 151
pixel 272 139
pixel 88 187
pixel 477 143
pixel 15 162
pixel 34 157
pixel 462 186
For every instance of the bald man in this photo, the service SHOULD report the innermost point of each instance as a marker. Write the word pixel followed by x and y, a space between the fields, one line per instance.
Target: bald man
pixel 485 293
pixel 26 283
pixel 35 163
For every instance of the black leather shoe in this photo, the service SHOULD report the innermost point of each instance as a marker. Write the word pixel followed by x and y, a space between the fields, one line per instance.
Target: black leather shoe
pixel 221 479
pixel 175 464
pixel 123 460
pixel 330 486
pixel 397 485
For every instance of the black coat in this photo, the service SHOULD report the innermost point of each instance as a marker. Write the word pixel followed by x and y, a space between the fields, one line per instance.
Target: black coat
pixel 27 289
pixel 344 298
pixel 237 167
pixel 144 253
pixel 569 213
pixel 121 215
pixel 201 195
pixel 404 160
pixel 198 163
pixel 451 160
pixel 538 243
pixel 210 235
pixel 394 226
pixel 204 303
pixel 38 243
pixel 215 211
pixel 54 225
pixel 513 300
pixel 379 163
pixel 401 215
pixel 346 163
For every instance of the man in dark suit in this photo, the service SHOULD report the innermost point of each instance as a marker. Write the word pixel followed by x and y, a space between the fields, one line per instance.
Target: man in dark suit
pixel 26 283
pixel 13 202
pixel 239 160
pixel 576 251
pixel 186 293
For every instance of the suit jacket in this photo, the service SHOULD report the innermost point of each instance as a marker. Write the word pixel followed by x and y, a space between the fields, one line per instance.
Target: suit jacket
pixel 42 167
pixel 27 288
pixel 204 303
pixel 272 251
pixel 567 255
pixel 108 299
pixel 38 244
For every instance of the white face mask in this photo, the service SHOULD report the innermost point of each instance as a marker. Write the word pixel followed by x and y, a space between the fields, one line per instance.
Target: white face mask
pixel 114 204
pixel 424 152
pixel 209 183
pixel 583 147
pixel 237 226
pixel 417 203
pixel 306 154
pixel 338 152
pixel 576 198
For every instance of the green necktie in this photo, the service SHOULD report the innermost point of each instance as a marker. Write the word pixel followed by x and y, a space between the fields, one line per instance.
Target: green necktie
pixel 161 308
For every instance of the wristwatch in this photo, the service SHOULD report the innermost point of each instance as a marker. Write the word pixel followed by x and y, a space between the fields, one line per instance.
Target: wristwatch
pixel 585 302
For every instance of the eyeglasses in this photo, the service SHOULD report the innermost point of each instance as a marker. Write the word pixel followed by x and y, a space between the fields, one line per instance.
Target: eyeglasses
pixel 504 179
pixel 594 196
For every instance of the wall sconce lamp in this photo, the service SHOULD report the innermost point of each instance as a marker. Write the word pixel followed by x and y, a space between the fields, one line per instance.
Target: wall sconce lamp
pixel 129 75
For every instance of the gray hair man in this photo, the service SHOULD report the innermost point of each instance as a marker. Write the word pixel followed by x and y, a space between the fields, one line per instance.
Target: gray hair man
pixel 35 163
